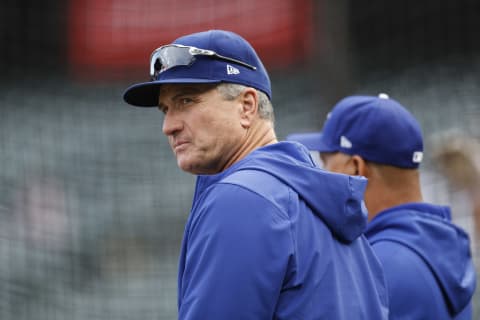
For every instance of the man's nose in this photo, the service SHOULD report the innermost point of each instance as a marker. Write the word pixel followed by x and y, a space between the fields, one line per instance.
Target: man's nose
pixel 171 123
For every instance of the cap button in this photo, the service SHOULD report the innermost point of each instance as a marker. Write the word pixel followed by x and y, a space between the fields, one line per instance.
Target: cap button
pixel 383 96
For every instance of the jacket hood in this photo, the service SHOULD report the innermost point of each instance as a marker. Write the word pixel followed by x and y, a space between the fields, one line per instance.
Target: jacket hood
pixel 336 198
pixel 427 229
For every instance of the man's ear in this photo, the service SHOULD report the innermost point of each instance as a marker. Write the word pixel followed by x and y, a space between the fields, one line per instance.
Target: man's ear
pixel 249 100
pixel 361 167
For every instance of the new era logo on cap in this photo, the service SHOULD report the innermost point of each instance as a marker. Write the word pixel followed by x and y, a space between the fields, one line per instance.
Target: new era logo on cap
pixel 232 70
pixel 345 143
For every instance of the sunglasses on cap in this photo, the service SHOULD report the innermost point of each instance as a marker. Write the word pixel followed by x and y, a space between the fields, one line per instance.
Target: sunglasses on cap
pixel 174 55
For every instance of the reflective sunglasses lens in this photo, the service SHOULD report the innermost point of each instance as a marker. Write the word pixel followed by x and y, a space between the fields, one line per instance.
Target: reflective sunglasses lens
pixel 168 57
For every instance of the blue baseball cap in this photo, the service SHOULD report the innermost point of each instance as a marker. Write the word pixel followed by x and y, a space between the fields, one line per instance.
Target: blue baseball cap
pixel 377 128
pixel 212 56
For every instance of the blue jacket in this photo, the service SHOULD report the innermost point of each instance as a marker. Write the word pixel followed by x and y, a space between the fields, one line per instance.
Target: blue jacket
pixel 426 261
pixel 274 237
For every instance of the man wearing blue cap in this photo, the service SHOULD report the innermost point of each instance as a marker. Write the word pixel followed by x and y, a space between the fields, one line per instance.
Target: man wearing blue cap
pixel 426 259
pixel 260 243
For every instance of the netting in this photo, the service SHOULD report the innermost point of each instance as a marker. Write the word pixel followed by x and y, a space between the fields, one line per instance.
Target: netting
pixel 92 204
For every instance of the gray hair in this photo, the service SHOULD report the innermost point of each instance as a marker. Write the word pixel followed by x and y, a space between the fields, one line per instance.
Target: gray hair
pixel 231 91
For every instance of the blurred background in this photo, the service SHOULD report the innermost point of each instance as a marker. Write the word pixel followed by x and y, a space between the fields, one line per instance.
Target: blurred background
pixel 92 204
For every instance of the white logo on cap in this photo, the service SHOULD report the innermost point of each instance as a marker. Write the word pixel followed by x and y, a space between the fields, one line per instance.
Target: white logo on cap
pixel 417 156
pixel 345 143
pixel 232 70
pixel 383 96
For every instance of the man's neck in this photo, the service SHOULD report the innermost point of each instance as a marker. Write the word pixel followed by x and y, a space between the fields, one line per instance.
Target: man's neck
pixel 384 192
pixel 257 136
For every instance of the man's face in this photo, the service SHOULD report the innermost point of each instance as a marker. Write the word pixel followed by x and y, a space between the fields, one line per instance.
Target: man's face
pixel 337 162
pixel 203 128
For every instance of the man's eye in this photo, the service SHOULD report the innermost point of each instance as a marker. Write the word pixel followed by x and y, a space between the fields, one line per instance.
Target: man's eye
pixel 163 109
pixel 185 101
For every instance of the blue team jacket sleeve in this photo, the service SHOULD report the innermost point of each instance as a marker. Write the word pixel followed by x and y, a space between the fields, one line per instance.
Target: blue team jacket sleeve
pixel 236 252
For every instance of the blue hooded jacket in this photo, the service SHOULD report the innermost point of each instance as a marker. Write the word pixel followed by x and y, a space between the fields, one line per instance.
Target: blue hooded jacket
pixel 274 237
pixel 427 262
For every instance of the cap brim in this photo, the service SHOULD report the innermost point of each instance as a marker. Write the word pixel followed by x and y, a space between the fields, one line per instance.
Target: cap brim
pixel 312 140
pixel 146 94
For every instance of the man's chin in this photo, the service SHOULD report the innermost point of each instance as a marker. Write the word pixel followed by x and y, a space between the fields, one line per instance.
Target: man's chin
pixel 186 165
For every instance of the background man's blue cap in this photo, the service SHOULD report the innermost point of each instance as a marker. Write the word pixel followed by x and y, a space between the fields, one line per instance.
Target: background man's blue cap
pixel 207 69
pixel 378 129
